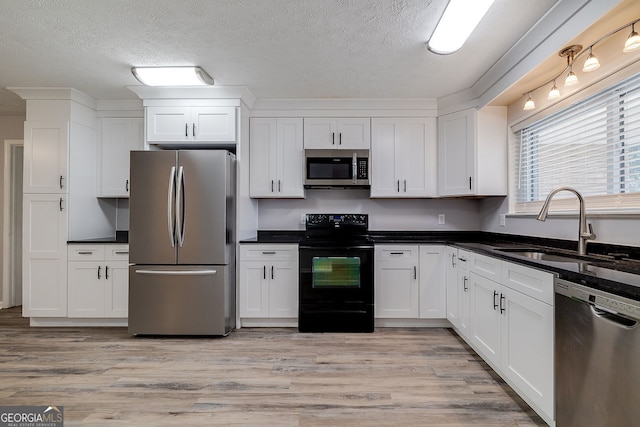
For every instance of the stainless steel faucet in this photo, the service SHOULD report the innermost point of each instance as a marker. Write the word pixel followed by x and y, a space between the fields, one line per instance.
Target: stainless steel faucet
pixel 583 235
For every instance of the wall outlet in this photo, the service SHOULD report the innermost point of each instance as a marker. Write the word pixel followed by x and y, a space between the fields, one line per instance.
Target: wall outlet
pixel 441 219
pixel 503 220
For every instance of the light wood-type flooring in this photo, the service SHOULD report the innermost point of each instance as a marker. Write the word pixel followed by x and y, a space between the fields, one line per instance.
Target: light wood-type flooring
pixel 254 377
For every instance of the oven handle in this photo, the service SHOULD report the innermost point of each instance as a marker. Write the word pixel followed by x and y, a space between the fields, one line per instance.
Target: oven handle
pixel 337 247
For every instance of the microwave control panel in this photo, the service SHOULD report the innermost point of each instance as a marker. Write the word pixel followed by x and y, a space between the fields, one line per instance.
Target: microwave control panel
pixel 362 168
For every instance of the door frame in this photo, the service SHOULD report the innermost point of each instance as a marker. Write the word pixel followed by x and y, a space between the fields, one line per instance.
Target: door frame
pixel 10 288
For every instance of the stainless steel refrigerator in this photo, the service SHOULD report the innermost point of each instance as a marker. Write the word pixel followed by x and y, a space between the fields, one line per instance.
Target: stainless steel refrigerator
pixel 182 243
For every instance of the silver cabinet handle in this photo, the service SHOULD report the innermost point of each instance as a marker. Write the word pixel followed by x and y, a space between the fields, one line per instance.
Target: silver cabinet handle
pixel 398 186
pixel 502 298
pixel 264 272
pixel 85 252
pixel 268 252
pixel 495 304
pixel 106 272
pixel 99 267
pixel 60 204
pixel 405 185
pixel 121 252
pixel 396 253
pixel 177 272
pixel 415 272
pixel 194 129
pixel 333 138
pixel 453 260
pixel 126 186
pixel 340 138
pixel 279 187
pixel 272 271
pixel 170 203
pixel 464 284
pixel 272 186
pixel 61 185
pixel 186 129
pixel 180 210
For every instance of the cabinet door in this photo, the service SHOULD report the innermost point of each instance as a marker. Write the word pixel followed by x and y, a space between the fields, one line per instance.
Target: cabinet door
pixel 86 289
pixel 119 137
pixel 289 158
pixel 168 124
pixel 397 290
pixel 320 133
pixel 44 255
pixel 485 317
pixel 385 158
pixel 527 347
pixel 283 289
pixel 417 172
pixel 353 133
pixel 262 157
pixel 433 298
pixel 254 289
pixel 456 139
pixel 215 124
pixel 453 291
pixel 116 296
pixel 46 148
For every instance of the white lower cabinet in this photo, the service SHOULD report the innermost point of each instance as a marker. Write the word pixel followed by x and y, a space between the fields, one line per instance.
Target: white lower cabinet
pixel 512 327
pixel 268 281
pixel 457 289
pixel 409 282
pixel 98 281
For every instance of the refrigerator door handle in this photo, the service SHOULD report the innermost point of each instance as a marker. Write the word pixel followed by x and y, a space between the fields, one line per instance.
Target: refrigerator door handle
pixel 170 222
pixel 178 272
pixel 180 213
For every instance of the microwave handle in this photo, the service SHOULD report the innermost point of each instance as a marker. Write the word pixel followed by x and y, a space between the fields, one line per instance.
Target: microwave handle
pixel 354 166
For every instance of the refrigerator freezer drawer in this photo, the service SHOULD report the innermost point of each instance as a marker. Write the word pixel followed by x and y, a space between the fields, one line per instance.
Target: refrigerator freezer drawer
pixel 181 300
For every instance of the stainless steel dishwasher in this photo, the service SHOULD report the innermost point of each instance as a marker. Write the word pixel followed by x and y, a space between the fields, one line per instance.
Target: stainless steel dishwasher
pixel 597 363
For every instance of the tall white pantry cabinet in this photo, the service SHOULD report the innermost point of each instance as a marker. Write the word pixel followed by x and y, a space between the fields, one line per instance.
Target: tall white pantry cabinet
pixel 59 194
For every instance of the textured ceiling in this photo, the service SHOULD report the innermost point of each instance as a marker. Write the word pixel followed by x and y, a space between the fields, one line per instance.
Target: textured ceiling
pixel 278 49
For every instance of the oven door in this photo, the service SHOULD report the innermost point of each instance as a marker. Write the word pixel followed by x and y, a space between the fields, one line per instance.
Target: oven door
pixel 336 275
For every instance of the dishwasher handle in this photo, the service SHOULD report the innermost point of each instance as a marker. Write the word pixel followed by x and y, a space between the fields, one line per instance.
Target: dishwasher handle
pixel 615 318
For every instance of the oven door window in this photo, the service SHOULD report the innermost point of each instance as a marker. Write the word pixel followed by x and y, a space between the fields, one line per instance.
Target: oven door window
pixel 336 272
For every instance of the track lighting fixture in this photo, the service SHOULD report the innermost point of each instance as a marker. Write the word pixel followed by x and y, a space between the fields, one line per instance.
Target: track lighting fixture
pixel 592 63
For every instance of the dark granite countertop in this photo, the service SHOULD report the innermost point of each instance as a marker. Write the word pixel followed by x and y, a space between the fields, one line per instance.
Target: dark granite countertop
pixel 610 268
pixel 121 237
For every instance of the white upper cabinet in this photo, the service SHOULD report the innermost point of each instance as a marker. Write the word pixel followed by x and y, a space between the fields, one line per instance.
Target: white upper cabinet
pixel 472 152
pixel 276 157
pixel 46 158
pixel 118 137
pixel 404 159
pixel 337 134
pixel 190 124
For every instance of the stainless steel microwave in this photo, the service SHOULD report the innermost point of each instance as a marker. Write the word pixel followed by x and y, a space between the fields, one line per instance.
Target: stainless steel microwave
pixel 337 168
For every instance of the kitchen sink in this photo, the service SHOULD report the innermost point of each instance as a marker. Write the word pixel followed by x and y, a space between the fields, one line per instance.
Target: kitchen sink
pixel 554 256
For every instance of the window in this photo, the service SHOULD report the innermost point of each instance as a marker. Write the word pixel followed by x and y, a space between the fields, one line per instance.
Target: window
pixel 592 146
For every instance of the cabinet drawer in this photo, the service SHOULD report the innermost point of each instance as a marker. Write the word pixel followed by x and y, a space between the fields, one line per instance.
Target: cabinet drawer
pixel 396 252
pixel 268 252
pixel 85 252
pixel 116 253
pixel 485 266
pixel 463 259
pixel 537 284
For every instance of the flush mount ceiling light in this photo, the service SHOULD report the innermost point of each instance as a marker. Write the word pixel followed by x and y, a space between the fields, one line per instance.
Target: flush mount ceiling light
pixel 172 76
pixel 591 64
pixel 457 23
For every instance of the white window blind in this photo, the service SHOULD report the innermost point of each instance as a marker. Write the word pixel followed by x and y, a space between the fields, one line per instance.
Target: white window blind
pixel 592 146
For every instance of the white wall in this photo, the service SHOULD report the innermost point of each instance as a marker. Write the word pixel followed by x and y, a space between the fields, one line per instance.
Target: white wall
pixel 620 230
pixel 11 127
pixel 384 214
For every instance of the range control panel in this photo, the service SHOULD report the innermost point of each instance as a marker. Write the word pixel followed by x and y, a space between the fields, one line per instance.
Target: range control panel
pixel 334 221
pixel 599 299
